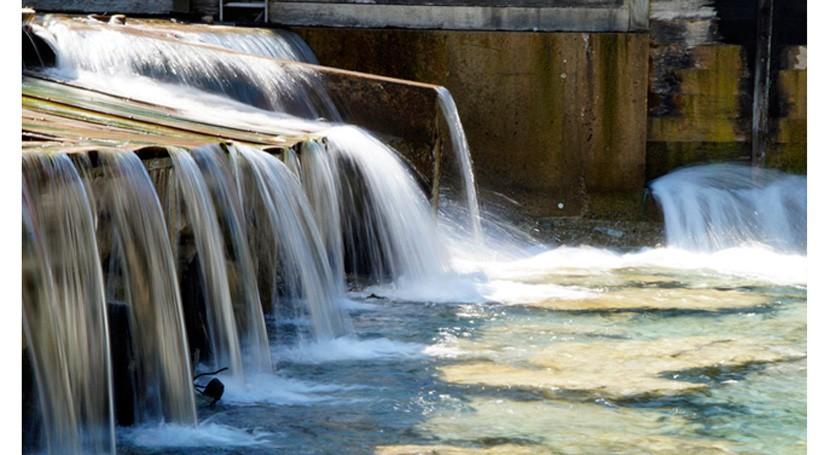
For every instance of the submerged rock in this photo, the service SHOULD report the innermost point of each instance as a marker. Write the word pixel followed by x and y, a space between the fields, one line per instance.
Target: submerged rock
pixel 672 299
pixel 543 427
pixel 504 449
pixel 622 369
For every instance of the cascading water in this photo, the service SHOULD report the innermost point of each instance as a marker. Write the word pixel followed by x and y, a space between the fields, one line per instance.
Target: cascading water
pixel 201 215
pixel 713 207
pixel 84 47
pixel 322 187
pixel 65 315
pixel 292 162
pixel 279 44
pixel 462 157
pixel 250 321
pixel 87 47
pixel 141 255
pixel 351 207
pixel 289 247
pixel 388 228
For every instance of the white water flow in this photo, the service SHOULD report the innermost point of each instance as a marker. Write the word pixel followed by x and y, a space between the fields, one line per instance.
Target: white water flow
pixel 64 312
pixel 210 249
pixel 463 159
pixel 322 187
pixel 289 248
pixel 713 207
pixel 292 162
pixel 272 43
pixel 82 46
pixel 250 320
pixel 388 228
pixel 142 252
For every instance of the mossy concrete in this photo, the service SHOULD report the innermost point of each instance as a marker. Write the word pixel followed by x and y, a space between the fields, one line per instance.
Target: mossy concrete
pixel 551 118
pixel 709 119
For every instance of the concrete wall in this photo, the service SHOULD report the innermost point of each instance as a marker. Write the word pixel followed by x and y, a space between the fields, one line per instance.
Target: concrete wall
pixel 527 15
pixel 702 57
pixel 552 118
pixel 110 6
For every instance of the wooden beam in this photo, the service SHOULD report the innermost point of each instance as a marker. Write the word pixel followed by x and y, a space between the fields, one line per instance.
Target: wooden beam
pixel 760 101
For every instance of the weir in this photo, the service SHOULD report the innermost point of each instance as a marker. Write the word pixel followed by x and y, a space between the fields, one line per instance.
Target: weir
pixel 198 198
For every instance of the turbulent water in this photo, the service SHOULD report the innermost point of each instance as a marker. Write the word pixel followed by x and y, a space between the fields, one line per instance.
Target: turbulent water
pixel 361 322
pixel 713 207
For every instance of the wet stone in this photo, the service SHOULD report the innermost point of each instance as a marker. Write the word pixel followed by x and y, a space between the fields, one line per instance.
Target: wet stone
pixel 622 369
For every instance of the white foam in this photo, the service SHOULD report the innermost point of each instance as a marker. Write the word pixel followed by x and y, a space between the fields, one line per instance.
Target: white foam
pixel 277 390
pixel 751 261
pixel 349 349
pixel 514 292
pixel 169 436
pixel 447 288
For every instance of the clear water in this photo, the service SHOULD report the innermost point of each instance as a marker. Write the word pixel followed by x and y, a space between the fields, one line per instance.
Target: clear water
pixel 461 342
pixel 395 384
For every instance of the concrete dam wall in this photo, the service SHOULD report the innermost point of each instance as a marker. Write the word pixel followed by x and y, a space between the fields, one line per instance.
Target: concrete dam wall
pixel 570 107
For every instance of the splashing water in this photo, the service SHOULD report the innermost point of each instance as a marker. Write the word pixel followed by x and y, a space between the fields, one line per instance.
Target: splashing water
pixel 713 207
pixel 65 315
pixel 350 206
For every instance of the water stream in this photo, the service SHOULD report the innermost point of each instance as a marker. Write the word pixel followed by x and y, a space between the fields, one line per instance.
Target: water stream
pixel 354 320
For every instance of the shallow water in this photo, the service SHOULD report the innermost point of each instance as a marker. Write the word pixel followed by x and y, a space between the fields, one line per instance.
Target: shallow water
pixel 657 371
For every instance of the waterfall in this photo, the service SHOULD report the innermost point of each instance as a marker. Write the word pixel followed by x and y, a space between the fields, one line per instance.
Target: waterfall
pixel 462 158
pixel 250 321
pixel 237 224
pixel 388 227
pixel 278 44
pixel 141 255
pixel 64 311
pixel 289 247
pixel 88 47
pixel 322 187
pixel 202 219
pixel 718 206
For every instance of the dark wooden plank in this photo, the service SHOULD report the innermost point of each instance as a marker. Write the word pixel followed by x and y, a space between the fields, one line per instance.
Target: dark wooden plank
pixel 760 103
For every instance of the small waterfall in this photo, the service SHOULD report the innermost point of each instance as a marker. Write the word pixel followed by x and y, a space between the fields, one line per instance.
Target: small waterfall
pixel 141 255
pixel 250 321
pixel 718 206
pixel 278 44
pixel 288 244
pixel 322 187
pixel 106 50
pixel 292 162
pixel 210 248
pixel 462 158
pixel 64 311
pixel 387 223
